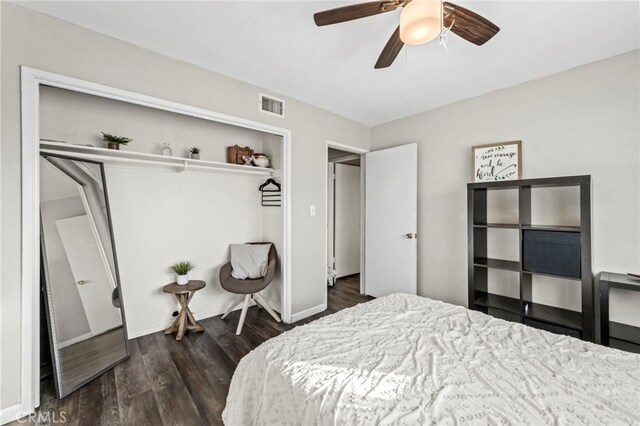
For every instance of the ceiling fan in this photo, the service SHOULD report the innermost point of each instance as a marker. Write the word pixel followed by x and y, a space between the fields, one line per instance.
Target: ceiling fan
pixel 420 22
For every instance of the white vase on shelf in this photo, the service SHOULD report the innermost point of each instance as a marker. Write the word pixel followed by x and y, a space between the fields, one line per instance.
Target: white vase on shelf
pixel 166 150
pixel 183 279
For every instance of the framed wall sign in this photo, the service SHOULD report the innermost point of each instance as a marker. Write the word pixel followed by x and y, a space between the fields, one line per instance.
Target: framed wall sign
pixel 497 161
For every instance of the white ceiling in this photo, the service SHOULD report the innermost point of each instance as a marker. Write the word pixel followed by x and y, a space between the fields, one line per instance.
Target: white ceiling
pixel 275 45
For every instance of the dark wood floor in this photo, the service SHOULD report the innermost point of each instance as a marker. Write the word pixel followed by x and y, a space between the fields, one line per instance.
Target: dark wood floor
pixel 178 383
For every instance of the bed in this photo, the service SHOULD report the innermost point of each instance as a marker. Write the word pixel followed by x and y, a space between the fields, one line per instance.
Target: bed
pixel 406 360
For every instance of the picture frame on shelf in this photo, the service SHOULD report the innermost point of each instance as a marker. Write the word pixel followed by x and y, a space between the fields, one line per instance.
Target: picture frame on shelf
pixel 497 161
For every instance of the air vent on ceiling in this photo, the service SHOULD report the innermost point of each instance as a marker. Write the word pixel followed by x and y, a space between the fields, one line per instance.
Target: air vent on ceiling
pixel 271 105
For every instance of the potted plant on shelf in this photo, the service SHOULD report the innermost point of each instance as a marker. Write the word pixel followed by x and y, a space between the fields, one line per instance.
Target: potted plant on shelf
pixel 182 271
pixel 114 142
pixel 194 153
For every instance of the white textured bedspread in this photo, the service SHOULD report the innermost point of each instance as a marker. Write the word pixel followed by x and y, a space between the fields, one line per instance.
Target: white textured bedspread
pixel 407 360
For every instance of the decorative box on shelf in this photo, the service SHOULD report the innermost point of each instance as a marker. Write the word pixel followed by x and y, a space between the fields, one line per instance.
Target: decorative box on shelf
pixel 235 154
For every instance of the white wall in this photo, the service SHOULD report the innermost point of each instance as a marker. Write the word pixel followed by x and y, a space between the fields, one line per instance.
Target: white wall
pixel 582 121
pixel 39 41
pixel 347 219
pixel 78 118
pixel 162 217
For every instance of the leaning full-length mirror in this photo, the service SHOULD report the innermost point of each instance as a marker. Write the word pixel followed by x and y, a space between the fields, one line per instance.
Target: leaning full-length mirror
pixel 80 270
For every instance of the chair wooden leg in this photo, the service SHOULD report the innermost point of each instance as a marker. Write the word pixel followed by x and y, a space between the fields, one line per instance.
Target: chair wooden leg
pixel 232 307
pixel 243 314
pixel 265 305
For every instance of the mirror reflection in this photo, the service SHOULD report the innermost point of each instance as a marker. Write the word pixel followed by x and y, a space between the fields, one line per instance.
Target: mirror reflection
pixel 83 299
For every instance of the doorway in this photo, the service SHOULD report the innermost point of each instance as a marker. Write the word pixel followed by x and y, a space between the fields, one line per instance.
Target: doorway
pixel 345 179
pixel 388 219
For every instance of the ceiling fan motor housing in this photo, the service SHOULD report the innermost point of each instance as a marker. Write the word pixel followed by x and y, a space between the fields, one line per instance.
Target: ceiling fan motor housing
pixel 420 21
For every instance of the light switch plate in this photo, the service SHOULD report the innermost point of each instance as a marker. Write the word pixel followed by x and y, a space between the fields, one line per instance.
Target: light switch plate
pixel 312 210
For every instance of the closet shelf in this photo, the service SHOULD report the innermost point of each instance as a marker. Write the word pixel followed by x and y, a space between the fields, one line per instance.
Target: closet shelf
pixel 141 158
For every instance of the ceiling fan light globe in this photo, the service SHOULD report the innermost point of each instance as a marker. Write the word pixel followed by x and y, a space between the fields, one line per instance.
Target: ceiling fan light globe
pixel 420 21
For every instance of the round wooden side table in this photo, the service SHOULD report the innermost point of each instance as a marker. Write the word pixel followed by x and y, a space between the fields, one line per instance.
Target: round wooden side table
pixel 185 320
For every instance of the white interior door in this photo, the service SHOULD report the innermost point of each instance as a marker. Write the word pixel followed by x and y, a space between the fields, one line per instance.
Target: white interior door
pixel 347 220
pixel 90 272
pixel 391 220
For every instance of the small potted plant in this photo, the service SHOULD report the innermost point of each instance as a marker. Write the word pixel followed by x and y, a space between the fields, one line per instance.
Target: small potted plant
pixel 194 153
pixel 182 271
pixel 114 142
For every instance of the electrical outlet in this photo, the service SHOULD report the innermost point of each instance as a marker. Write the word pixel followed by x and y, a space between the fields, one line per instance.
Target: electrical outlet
pixel 312 210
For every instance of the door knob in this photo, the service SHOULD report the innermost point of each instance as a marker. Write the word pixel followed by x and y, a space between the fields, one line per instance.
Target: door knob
pixel 409 236
pixel 81 282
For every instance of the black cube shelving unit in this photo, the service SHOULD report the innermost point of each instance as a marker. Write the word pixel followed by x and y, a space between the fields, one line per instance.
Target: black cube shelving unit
pixel 524 309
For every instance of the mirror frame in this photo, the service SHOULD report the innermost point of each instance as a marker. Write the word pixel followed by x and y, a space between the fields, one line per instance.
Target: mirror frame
pixel 61 390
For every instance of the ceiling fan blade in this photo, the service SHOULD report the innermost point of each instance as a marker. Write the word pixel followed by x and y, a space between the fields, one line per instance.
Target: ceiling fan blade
pixel 468 25
pixel 355 11
pixel 391 50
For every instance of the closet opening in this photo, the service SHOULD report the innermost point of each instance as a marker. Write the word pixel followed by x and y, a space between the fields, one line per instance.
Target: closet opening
pixel 163 205
pixel 345 183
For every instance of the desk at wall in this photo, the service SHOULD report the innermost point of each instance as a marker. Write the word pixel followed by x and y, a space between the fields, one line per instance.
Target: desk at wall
pixel 615 334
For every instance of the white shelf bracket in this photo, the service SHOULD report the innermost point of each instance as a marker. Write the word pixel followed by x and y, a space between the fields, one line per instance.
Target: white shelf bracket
pixel 185 166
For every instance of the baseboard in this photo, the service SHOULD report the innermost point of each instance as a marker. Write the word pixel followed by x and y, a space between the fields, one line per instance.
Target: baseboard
pixel 10 414
pixel 74 340
pixel 217 310
pixel 308 312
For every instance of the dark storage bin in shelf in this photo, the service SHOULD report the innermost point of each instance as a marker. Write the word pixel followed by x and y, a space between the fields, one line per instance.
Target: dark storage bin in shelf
pixel 552 328
pixel 551 252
